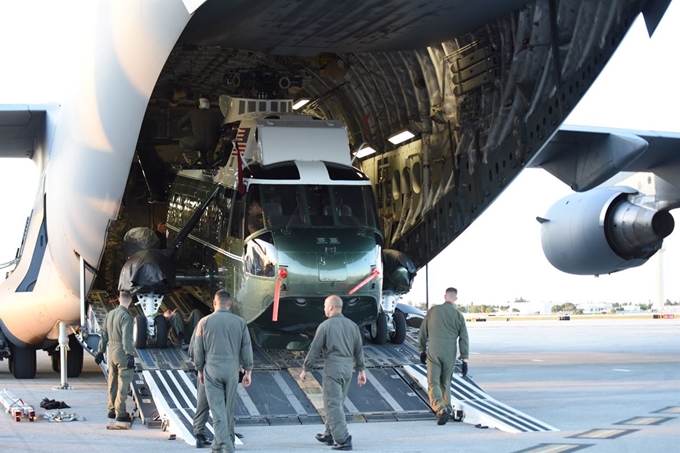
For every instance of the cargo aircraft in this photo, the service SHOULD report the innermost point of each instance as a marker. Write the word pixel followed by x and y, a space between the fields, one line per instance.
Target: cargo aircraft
pixel 441 103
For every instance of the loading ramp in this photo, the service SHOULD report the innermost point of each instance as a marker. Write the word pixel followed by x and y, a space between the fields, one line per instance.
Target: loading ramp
pixel 164 386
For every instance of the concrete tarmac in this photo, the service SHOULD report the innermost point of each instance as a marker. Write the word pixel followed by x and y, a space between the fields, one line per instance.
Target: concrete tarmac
pixel 608 385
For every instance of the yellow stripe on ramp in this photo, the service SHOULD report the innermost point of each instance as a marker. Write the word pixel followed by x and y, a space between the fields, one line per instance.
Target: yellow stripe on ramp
pixel 311 388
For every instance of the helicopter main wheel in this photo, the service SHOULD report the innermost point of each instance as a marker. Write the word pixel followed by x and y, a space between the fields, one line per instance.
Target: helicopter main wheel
pixel 378 329
pixel 139 332
pixel 161 331
pixel 399 334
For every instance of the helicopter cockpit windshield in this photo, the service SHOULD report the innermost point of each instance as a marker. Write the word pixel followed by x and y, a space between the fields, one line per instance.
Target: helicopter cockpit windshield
pixel 315 206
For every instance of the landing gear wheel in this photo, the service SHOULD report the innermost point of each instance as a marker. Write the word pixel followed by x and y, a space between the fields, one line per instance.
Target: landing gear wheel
pixel 74 359
pixel 22 362
pixel 161 331
pixel 399 334
pixel 139 332
pixel 378 329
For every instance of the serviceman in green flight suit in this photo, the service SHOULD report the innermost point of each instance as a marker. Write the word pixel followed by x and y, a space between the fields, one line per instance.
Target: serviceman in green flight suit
pixel 117 335
pixel 222 346
pixel 444 329
pixel 202 409
pixel 182 330
pixel 340 341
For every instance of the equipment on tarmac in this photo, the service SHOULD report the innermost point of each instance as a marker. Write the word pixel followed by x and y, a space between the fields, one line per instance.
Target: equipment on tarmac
pixel 16 406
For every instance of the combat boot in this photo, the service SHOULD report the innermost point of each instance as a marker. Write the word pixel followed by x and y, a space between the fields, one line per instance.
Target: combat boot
pixel 345 446
pixel 325 438
pixel 202 441
pixel 125 418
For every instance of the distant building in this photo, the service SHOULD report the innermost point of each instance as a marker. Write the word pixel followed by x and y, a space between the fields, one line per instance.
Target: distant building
pixel 531 308
pixel 595 307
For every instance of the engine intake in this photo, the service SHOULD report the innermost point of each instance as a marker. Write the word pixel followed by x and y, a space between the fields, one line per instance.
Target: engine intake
pixel 601 231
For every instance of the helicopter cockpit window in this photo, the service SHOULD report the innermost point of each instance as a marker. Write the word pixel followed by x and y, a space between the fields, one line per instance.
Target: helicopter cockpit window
pixel 353 206
pixel 260 256
pixel 312 206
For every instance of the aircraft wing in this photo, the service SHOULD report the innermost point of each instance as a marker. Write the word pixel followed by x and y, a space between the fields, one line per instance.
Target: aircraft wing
pixel 585 157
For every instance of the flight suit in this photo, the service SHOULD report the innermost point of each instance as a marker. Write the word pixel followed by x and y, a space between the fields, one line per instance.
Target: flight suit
pixel 202 409
pixel 117 335
pixel 222 344
pixel 178 325
pixel 443 328
pixel 339 340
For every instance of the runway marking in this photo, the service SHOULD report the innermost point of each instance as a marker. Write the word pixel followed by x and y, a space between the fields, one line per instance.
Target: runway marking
pixel 620 369
pixel 554 448
pixel 668 410
pixel 536 360
pixel 603 434
pixel 645 421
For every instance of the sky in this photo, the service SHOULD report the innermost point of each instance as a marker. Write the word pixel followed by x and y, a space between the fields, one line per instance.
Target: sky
pixel 499 257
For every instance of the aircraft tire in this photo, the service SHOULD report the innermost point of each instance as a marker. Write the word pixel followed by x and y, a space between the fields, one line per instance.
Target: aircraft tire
pixel 139 332
pixel 399 334
pixel 161 332
pixel 378 330
pixel 56 366
pixel 22 362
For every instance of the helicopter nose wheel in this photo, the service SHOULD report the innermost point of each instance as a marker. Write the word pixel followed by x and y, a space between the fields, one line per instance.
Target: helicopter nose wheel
pixel 378 329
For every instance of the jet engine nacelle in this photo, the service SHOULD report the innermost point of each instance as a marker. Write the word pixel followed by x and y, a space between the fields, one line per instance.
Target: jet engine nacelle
pixel 601 231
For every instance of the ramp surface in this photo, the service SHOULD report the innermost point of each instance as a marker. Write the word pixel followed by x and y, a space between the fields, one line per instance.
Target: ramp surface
pixel 165 386
pixel 480 408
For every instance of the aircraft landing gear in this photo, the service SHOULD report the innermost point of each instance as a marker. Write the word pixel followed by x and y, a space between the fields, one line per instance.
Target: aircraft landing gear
pixel 398 335
pixel 378 330
pixel 139 332
pixel 161 331
pixel 74 359
pixel 390 324
pixel 150 329
pixel 22 362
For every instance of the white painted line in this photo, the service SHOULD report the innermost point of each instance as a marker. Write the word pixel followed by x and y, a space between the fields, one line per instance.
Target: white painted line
pixel 247 401
pixel 383 392
pixel 164 411
pixel 288 392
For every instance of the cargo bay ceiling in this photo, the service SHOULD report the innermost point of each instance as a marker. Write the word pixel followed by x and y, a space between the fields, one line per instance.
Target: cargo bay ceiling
pixel 481 84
